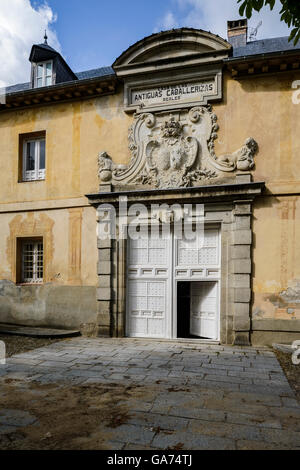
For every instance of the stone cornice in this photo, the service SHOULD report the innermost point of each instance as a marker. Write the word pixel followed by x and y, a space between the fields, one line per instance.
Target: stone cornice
pixel 64 92
pixel 212 193
pixel 263 64
pixel 162 65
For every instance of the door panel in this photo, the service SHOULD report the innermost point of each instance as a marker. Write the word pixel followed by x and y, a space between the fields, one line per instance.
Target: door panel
pixel 199 253
pixel 204 302
pixel 147 308
pixel 148 288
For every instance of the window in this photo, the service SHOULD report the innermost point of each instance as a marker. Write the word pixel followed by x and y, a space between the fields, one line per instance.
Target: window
pixel 32 261
pixel 34 159
pixel 43 74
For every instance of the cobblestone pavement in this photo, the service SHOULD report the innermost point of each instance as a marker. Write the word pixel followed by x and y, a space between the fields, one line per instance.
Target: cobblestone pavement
pixel 196 396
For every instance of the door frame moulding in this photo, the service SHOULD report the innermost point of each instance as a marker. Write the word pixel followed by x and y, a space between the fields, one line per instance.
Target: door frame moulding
pixel 229 206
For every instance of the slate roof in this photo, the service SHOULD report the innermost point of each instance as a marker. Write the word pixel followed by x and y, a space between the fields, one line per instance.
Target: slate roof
pixel 89 74
pixel 95 73
pixel 265 46
pixel 18 88
pixel 47 47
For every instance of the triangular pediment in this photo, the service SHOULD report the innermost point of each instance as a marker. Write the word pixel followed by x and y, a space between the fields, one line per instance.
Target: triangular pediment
pixel 184 42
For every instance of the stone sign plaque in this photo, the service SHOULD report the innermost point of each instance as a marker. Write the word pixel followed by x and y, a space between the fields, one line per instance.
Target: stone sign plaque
pixel 173 93
pixel 179 94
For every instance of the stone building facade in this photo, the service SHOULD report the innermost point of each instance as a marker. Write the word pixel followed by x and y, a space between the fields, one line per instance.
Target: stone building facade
pixel 203 130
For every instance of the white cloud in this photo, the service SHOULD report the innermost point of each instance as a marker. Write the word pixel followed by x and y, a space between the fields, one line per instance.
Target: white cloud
pixel 21 26
pixel 167 22
pixel 212 15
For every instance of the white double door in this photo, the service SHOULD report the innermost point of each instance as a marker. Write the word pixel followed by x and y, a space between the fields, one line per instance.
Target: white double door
pixel 154 268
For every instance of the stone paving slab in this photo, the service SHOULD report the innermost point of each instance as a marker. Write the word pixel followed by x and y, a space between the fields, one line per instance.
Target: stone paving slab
pixel 195 396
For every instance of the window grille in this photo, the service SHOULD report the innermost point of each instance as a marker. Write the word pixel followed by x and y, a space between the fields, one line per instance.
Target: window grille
pixel 32 262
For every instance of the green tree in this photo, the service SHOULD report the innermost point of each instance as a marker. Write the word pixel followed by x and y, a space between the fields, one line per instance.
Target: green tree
pixel 290 13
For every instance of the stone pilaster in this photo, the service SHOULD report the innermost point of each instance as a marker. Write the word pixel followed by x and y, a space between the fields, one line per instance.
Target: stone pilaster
pixel 241 270
pixel 104 290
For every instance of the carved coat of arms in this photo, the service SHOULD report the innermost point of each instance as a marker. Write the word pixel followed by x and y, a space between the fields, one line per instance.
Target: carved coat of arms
pixel 176 150
pixel 170 157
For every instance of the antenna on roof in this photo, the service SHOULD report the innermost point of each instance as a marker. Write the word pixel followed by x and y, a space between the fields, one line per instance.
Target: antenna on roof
pixel 46 37
pixel 253 32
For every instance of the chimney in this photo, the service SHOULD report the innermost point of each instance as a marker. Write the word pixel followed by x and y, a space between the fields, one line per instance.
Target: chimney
pixel 237 32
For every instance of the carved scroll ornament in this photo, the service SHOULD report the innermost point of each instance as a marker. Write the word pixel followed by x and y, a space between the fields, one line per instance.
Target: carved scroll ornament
pixel 175 150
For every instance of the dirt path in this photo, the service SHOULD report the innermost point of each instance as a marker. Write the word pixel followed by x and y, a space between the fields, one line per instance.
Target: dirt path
pixel 77 417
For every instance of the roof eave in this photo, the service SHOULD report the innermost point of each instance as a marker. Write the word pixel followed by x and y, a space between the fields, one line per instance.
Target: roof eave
pixel 62 92
pixel 263 64
pixel 263 55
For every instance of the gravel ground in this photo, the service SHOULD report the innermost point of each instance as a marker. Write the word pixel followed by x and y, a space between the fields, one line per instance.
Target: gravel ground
pixel 20 344
pixel 291 371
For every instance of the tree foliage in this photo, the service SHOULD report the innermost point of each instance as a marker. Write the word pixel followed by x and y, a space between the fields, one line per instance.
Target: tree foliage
pixel 290 13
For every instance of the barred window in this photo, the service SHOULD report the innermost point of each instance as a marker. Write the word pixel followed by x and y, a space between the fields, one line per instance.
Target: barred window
pixel 32 261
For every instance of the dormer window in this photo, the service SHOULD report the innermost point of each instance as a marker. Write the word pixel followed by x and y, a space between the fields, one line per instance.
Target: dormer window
pixel 48 67
pixel 44 72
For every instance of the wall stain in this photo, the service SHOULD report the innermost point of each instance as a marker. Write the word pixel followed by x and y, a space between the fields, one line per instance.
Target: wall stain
pixel 31 225
pixel 75 236
pixel 76 144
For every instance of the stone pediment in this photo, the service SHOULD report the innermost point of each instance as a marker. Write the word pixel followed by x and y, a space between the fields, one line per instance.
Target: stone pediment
pixel 173 150
pixel 172 69
pixel 174 44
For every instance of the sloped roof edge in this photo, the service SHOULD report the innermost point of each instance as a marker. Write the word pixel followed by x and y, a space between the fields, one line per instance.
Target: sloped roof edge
pixel 101 72
pixel 164 35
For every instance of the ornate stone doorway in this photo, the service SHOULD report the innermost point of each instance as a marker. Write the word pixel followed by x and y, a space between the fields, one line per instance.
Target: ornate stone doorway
pixel 228 207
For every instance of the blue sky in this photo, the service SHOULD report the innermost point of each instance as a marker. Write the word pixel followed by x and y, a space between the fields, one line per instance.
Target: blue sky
pixel 93 33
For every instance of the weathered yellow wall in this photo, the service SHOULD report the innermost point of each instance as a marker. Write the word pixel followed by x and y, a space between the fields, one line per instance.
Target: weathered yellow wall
pixel 263 109
pixel 276 281
pixel 75 134
pixel 70 244
pixel 56 208
pixel 67 298
pixel 258 107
